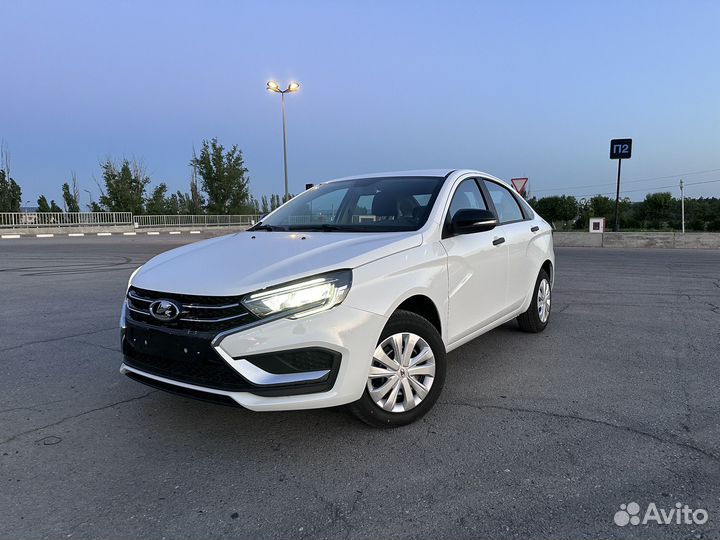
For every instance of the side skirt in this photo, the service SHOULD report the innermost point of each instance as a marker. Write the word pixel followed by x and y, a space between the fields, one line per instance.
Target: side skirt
pixel 462 341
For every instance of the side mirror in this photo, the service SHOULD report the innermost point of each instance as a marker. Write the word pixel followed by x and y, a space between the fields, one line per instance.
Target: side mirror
pixel 472 220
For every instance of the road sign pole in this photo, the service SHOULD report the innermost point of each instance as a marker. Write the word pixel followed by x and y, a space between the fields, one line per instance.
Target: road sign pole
pixel 619 149
pixel 682 205
pixel 616 228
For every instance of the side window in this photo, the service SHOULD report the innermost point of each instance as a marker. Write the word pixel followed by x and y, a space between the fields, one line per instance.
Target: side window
pixel 467 195
pixel 506 205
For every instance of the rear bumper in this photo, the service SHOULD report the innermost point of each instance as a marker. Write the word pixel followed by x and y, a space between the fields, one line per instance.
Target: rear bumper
pixel 255 368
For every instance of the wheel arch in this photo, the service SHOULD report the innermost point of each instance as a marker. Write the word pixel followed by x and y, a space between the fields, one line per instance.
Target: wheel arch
pixel 424 306
pixel 548 267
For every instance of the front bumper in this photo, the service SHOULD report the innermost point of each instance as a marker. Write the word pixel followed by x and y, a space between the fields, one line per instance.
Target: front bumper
pixel 342 339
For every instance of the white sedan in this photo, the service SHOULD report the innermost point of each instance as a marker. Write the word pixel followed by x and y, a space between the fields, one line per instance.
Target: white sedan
pixel 351 293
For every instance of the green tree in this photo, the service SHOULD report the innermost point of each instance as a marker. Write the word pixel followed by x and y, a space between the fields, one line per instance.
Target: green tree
pixel 627 214
pixel 54 207
pixel 714 225
pixel 194 202
pixel 701 212
pixel 157 203
pixel 274 201
pixel 602 206
pixel 254 205
pixel 71 197
pixel 656 210
pixel 43 205
pixel 124 186
pixel 557 208
pixel 172 204
pixel 184 202
pixel 264 205
pixel 10 193
pixel 224 178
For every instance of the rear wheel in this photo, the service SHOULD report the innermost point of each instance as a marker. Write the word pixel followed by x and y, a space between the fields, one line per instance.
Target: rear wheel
pixel 406 374
pixel 536 318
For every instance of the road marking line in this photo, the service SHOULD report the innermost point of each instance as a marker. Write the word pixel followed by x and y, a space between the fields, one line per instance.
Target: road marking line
pixel 194 232
pixel 153 232
pixel 104 234
pixel 174 232
pixel 10 236
pixel 44 235
pixel 76 234
pixel 129 233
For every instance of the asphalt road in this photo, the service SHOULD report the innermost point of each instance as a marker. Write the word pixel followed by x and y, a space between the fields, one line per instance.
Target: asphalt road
pixel 534 436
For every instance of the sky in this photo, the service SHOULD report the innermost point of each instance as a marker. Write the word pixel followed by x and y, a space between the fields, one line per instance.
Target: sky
pixel 513 88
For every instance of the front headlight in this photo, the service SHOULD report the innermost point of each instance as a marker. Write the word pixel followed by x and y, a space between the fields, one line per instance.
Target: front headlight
pixel 301 298
pixel 124 304
pixel 131 277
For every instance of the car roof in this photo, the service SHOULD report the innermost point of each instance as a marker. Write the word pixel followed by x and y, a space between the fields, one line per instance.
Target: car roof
pixel 443 173
pixel 388 174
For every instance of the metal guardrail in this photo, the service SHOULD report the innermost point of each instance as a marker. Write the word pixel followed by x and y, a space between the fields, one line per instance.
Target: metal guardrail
pixel 150 221
pixel 25 220
pixel 38 220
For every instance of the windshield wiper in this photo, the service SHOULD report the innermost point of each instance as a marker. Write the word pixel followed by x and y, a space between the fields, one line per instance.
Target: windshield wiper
pixel 325 227
pixel 260 227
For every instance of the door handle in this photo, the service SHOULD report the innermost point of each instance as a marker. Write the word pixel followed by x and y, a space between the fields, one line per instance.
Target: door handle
pixel 498 241
pixel 534 228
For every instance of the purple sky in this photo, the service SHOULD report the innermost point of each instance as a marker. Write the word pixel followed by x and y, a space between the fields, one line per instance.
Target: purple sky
pixel 531 89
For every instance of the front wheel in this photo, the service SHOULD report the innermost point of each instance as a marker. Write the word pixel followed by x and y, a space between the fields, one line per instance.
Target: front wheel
pixel 536 318
pixel 406 374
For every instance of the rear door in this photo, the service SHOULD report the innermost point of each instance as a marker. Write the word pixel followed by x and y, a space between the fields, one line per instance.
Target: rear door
pixel 517 227
pixel 477 267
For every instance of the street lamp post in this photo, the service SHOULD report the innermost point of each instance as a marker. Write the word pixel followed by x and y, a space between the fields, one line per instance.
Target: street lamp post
pixel 292 87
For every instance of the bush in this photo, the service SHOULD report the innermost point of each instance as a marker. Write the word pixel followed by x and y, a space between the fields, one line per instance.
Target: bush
pixel 696 225
pixel 714 225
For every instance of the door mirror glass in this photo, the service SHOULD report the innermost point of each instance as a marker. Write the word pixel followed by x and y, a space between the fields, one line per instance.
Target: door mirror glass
pixel 472 220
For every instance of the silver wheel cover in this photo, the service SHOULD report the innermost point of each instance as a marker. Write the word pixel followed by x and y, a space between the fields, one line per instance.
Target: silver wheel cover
pixel 401 373
pixel 543 301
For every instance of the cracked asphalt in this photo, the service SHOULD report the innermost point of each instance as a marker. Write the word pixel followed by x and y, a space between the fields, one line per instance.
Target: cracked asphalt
pixel 535 436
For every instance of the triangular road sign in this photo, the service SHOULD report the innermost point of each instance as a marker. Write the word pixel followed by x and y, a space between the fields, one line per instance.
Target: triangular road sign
pixel 520 185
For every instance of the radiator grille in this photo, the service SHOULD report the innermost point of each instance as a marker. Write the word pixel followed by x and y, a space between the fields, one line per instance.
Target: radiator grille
pixel 200 313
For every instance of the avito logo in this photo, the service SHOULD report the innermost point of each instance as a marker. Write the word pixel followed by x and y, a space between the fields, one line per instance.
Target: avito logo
pixel 682 514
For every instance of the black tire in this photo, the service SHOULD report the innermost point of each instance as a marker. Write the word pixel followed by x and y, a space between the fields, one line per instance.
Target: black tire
pixel 370 412
pixel 530 321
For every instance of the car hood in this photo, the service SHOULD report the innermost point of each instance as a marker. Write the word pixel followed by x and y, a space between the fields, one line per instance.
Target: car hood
pixel 243 262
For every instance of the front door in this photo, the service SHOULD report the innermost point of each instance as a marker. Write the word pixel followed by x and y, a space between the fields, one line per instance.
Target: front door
pixel 477 268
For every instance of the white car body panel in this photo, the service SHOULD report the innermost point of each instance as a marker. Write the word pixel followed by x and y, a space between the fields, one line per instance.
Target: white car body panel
pixel 478 281
pixel 275 257
pixel 474 285
pixel 381 288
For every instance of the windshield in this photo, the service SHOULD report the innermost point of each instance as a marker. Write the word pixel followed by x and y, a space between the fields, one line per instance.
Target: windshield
pixel 365 204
